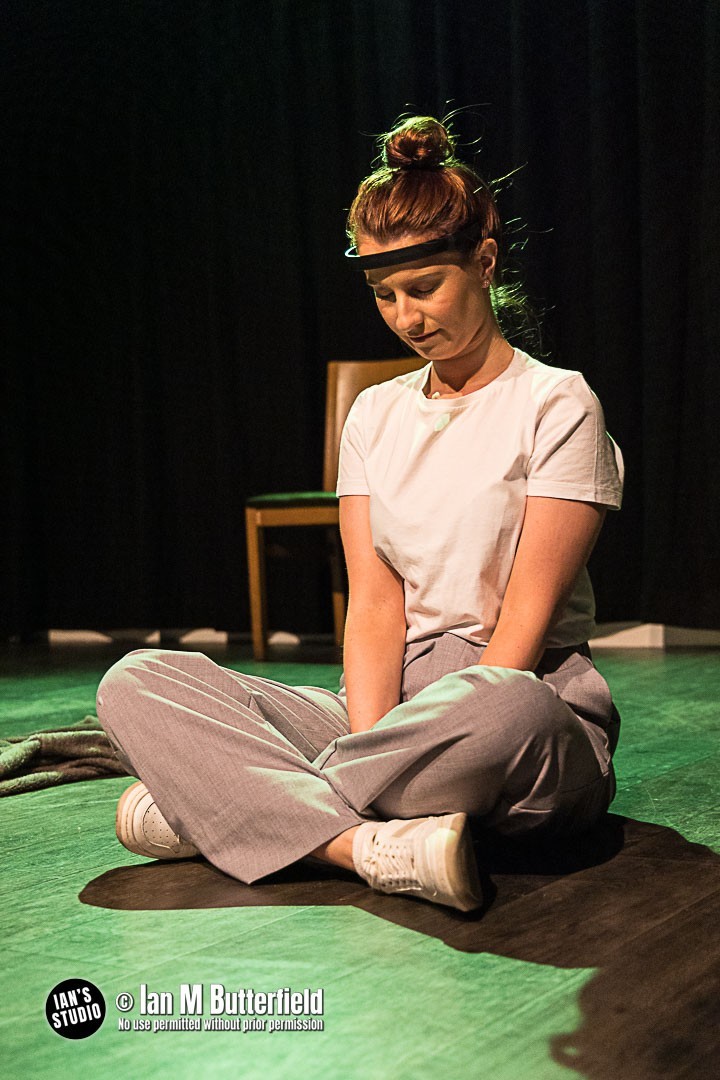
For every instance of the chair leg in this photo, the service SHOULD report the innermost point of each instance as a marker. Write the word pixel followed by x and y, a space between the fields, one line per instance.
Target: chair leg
pixel 256 580
pixel 337 574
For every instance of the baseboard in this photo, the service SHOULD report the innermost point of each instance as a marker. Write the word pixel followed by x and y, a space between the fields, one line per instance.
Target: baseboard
pixel 652 636
pixel 625 635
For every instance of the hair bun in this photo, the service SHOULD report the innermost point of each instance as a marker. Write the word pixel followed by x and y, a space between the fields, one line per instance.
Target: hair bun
pixel 418 143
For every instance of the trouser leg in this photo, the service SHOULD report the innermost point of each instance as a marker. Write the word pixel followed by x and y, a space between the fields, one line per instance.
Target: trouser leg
pixel 231 759
pixel 239 786
pixel 496 743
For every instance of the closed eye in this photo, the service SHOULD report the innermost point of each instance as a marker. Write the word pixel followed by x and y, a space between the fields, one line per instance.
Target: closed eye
pixel 426 292
pixel 421 294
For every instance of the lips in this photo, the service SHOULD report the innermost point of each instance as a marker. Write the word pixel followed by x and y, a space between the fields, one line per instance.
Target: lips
pixel 422 337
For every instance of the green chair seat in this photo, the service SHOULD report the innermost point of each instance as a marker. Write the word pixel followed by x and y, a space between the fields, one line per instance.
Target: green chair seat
pixel 292 499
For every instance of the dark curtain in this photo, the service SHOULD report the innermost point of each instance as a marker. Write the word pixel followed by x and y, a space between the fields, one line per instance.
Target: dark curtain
pixel 174 184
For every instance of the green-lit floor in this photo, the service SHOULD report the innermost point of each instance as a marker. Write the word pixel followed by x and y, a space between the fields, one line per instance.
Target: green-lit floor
pixel 603 967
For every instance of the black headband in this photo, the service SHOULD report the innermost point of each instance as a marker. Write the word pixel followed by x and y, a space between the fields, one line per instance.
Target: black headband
pixel 459 241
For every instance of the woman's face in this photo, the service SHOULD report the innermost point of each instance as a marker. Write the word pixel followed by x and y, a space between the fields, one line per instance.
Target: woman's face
pixel 437 305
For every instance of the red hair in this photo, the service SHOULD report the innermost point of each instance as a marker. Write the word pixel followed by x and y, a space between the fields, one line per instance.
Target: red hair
pixel 421 188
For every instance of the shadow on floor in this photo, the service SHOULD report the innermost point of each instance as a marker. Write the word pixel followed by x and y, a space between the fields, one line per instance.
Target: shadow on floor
pixel 633 899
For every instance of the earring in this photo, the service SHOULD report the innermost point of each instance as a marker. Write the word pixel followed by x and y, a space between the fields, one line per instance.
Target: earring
pixel 486 283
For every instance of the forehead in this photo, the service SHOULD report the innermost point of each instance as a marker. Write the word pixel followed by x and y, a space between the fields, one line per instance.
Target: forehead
pixel 405 274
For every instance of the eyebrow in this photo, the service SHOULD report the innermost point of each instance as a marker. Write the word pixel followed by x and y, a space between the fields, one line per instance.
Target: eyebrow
pixel 422 275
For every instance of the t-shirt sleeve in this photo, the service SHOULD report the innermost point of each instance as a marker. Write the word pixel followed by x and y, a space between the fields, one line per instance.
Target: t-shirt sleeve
pixel 573 456
pixel 351 467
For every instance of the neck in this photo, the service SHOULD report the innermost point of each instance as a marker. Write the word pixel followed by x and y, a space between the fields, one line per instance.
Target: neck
pixel 463 375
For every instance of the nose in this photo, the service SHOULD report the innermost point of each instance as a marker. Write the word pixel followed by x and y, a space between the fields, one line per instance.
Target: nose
pixel 407 314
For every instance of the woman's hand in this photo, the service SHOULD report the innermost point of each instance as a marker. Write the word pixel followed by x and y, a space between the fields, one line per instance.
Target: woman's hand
pixel 556 541
pixel 375 628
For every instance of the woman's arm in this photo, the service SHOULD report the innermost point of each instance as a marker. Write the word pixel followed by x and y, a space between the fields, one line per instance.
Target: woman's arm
pixel 557 538
pixel 375 627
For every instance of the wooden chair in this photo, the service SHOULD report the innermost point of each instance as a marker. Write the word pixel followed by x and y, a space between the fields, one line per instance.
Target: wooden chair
pixel 345 380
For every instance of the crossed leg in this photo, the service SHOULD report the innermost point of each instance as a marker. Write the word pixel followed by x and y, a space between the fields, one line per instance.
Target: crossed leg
pixel 257 774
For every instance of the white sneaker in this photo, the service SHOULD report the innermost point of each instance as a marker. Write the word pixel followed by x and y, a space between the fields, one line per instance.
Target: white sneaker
pixel 141 828
pixel 428 857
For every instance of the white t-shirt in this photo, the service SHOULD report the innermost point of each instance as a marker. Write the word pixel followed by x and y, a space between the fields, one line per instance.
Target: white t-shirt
pixel 447 480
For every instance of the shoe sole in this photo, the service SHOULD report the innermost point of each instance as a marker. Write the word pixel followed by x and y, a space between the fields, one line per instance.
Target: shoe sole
pixel 454 862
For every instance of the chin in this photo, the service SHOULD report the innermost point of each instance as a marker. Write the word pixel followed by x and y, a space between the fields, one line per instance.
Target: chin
pixel 437 346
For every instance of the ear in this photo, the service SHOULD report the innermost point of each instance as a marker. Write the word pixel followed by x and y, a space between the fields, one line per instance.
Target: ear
pixel 485 257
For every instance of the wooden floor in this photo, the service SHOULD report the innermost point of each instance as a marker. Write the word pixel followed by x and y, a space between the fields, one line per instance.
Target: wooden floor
pixel 599 961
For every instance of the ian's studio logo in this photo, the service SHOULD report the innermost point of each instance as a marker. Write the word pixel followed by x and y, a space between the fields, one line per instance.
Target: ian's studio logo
pixel 75 1008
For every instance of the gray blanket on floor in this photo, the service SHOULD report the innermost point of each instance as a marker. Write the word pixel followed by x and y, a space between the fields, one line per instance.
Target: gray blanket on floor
pixel 61 755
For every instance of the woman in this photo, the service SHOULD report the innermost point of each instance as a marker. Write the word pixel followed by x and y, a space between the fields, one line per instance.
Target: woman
pixel 471 494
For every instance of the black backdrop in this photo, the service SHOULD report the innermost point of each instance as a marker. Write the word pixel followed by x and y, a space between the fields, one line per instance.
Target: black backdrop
pixel 174 182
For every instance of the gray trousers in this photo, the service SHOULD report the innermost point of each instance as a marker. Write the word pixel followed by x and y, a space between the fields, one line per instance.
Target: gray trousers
pixel 257 774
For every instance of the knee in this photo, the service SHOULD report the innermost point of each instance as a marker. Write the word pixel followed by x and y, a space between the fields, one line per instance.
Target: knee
pixel 502 689
pixel 120 681
pixel 515 704
pixel 540 718
pixel 538 706
pixel 134 660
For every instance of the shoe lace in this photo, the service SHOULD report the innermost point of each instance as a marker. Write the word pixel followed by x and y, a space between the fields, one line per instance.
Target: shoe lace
pixel 391 863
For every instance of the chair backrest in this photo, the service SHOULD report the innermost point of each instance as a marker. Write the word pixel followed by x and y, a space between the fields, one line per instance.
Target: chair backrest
pixel 345 380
